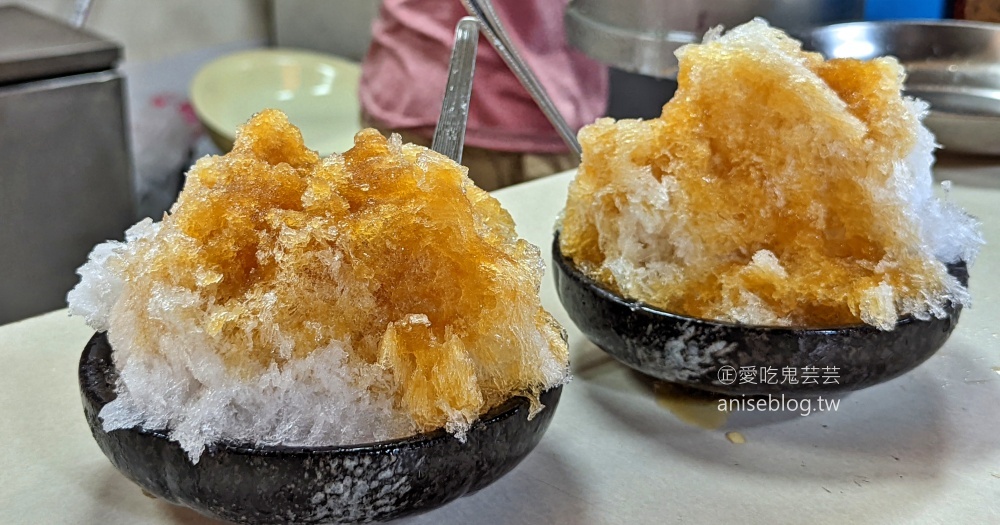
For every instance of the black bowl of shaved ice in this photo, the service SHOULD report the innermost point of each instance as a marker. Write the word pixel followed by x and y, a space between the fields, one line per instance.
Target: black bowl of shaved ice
pixel 246 483
pixel 735 359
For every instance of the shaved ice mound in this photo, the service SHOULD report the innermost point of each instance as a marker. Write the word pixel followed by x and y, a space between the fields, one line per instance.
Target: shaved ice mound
pixel 293 300
pixel 775 188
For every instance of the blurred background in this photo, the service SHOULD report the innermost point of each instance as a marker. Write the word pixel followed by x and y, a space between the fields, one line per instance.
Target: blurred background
pixel 97 125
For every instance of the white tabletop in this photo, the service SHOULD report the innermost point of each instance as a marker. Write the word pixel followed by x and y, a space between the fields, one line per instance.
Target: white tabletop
pixel 923 448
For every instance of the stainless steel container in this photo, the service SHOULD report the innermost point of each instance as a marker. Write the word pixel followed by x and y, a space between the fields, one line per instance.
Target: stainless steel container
pixel 640 36
pixel 65 181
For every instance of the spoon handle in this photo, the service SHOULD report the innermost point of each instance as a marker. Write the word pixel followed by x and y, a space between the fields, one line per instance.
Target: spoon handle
pixel 80 11
pixel 449 135
pixel 497 36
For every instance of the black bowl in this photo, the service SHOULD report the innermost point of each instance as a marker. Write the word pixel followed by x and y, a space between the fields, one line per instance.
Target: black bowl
pixel 279 484
pixel 737 359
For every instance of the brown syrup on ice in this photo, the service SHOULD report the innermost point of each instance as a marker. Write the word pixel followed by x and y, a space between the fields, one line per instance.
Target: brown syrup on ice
pixel 388 249
pixel 766 191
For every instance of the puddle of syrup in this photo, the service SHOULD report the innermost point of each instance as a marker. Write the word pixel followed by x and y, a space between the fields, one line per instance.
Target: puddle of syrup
pixel 736 438
pixel 694 407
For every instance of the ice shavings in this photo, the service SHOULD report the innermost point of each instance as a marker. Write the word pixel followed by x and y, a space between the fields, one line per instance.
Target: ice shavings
pixel 288 299
pixel 776 188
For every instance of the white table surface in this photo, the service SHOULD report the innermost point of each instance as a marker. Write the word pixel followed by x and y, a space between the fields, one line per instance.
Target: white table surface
pixel 923 448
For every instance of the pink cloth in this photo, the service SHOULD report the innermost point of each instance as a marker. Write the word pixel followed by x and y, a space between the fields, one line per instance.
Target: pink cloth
pixel 404 74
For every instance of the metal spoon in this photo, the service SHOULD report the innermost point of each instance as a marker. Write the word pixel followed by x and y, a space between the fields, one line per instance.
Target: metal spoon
pixel 449 135
pixel 80 11
pixel 497 36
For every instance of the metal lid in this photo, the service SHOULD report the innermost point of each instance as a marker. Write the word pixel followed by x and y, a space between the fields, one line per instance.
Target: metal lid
pixel 34 46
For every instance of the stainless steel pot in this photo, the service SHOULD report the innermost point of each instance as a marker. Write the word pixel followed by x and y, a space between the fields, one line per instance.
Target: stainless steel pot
pixel 640 36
